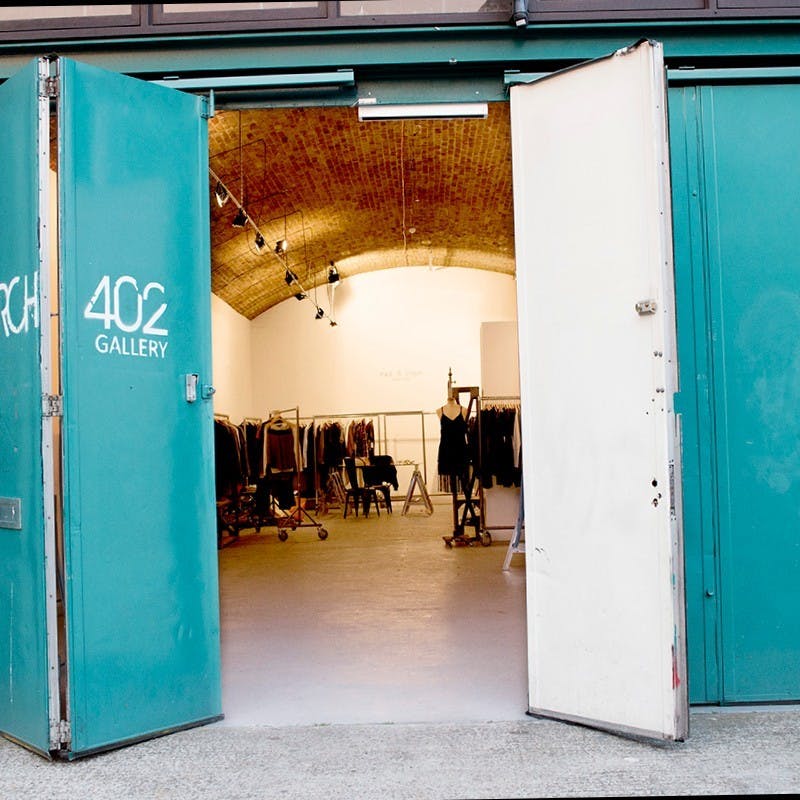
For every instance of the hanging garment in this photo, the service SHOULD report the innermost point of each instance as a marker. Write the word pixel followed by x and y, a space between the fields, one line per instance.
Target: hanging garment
pixel 500 446
pixel 279 440
pixel 229 458
pixel 453 453
pixel 253 448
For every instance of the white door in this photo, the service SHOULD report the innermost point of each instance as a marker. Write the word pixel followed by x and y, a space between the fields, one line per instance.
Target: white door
pixel 606 642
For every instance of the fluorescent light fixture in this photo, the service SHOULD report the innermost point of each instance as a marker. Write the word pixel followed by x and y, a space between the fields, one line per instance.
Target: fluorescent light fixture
pixel 424 111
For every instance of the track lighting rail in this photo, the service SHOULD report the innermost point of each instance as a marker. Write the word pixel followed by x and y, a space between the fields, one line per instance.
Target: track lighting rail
pixel 242 219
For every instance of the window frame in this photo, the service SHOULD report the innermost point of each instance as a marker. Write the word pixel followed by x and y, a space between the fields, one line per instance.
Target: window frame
pixel 25 28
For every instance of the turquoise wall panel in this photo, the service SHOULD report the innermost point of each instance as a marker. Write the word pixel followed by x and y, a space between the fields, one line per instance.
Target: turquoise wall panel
pixel 752 171
pixel 143 604
pixel 693 400
pixel 737 250
pixel 23 635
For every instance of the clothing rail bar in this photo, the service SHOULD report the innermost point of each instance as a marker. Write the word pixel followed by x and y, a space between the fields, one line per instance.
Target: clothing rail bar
pixel 500 397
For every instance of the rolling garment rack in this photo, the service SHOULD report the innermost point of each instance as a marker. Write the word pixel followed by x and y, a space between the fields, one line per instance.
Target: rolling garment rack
pixel 503 401
pixel 234 513
pixel 297 517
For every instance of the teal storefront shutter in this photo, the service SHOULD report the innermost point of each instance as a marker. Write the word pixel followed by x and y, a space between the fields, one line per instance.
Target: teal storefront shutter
pixel 753 214
pixel 140 537
pixel 737 214
pixel 28 668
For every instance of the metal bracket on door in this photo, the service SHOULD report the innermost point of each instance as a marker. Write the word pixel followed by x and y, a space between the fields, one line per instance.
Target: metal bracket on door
pixel 645 307
pixel 192 380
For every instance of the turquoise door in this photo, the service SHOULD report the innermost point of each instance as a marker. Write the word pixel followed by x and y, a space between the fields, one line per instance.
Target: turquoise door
pixel 28 662
pixel 736 170
pixel 140 539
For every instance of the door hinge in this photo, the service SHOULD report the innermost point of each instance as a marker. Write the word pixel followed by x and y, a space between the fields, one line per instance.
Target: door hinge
pixel 50 87
pixel 207 108
pixel 60 734
pixel 64 732
pixel 52 405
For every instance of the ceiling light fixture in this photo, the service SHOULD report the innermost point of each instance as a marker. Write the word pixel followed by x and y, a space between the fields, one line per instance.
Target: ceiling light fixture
pixel 242 219
pixel 424 111
pixel 221 194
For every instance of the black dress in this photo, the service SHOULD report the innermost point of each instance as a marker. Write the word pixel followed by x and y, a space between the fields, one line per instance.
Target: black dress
pixel 453 455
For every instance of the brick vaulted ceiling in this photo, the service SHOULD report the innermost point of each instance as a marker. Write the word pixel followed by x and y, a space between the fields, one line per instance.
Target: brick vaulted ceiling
pixel 365 195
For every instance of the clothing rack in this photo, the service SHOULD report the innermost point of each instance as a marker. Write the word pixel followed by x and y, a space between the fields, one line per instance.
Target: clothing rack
pixel 500 400
pixel 381 442
pixel 294 519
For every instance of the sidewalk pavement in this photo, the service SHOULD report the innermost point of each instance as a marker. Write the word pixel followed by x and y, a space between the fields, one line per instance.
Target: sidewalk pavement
pixel 729 752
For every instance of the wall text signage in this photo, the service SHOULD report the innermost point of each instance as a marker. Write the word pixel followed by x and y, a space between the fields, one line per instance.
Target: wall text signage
pixel 132 318
pixel 19 305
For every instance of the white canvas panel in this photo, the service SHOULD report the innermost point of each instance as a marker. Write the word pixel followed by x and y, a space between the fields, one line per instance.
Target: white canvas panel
pixel 604 561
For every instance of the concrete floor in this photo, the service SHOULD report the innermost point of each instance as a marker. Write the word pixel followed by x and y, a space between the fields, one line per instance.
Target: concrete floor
pixel 379 623
pixel 728 753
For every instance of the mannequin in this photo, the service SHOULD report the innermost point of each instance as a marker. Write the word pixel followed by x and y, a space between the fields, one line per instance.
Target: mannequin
pixel 453 456
pixel 451 409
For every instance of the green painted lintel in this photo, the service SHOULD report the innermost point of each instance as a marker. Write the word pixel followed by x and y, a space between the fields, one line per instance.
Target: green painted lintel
pixel 339 78
pixel 676 76
pixel 692 76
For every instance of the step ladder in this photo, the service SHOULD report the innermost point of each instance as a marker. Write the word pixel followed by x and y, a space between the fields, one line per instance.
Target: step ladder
pixel 517 543
pixel 418 484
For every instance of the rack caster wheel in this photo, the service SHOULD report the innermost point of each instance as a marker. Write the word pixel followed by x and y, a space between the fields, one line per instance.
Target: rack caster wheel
pixel 486 538
pixel 282 535
pixel 322 533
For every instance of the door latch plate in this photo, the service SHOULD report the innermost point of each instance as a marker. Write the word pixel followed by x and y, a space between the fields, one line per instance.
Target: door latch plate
pixel 645 307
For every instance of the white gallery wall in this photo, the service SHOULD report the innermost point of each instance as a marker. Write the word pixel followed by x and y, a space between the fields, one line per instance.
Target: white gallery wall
pixel 399 331
pixel 231 361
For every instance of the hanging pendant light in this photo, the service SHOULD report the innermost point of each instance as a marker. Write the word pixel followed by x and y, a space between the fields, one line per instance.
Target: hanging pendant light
pixel 240 220
pixel 333 274
pixel 221 194
pixel 260 243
